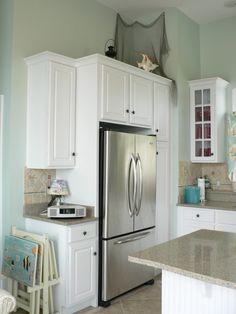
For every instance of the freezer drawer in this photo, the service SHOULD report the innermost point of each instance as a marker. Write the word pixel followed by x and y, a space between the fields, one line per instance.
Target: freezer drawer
pixel 120 275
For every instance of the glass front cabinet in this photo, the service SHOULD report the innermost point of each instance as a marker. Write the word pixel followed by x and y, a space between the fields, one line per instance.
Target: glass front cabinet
pixel 207 119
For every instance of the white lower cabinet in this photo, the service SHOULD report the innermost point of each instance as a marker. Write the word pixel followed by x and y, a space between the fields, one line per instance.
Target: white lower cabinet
pixel 82 271
pixel 77 258
pixel 191 219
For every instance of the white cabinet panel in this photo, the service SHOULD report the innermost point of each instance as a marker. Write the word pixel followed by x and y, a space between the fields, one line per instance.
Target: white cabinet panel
pixel 191 219
pixel 197 214
pixel 161 111
pixel 62 116
pixel 50 112
pixel 115 94
pixel 189 226
pixel 82 260
pixel 162 193
pixel 225 227
pixel 141 101
pixel 225 217
pixel 125 97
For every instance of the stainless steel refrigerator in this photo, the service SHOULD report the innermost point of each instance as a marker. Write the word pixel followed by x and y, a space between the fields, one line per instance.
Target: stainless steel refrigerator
pixel 127 210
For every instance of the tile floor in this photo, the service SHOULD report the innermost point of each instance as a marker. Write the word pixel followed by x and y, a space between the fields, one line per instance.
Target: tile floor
pixel 144 300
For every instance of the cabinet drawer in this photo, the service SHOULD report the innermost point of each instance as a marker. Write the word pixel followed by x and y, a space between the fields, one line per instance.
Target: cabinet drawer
pixel 197 214
pixel 82 232
pixel 225 217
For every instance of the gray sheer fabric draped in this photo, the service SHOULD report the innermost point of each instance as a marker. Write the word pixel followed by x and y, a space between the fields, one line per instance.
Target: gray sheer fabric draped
pixel 133 39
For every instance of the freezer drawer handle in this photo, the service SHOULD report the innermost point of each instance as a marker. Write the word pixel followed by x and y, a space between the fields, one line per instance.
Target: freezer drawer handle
pixel 143 235
pixel 132 202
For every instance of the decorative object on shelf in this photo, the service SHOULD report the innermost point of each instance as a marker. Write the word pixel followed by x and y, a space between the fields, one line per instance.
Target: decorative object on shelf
pixel 58 189
pixel 147 64
pixel 110 48
pixel 135 37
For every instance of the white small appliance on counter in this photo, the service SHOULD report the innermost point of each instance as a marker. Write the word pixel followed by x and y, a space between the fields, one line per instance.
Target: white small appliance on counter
pixel 66 211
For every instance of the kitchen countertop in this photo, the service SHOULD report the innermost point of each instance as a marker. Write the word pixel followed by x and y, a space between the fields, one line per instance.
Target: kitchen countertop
pixel 213 205
pixel 62 221
pixel 205 255
pixel 33 211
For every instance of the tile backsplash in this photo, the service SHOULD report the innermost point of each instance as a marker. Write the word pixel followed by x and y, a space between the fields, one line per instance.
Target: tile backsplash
pixel 36 182
pixel 216 173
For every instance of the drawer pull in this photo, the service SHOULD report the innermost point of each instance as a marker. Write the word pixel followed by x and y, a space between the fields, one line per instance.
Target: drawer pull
pixel 197 215
pixel 84 233
pixel 95 253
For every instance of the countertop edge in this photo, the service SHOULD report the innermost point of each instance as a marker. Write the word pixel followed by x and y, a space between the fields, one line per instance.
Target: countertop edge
pixel 216 281
pixel 75 221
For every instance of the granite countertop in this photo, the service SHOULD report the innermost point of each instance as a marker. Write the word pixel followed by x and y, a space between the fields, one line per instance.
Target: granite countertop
pixel 223 205
pixel 205 255
pixel 33 211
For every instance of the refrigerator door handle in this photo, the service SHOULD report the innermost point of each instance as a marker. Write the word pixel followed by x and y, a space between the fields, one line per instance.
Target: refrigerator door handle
pixel 139 201
pixel 134 192
pixel 132 239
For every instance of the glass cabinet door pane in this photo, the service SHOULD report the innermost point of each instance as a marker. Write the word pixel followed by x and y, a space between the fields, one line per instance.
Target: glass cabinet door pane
pixel 198 131
pixel 198 97
pixel 207 148
pixel 198 114
pixel 198 149
pixel 207 113
pixel 206 96
pixel 207 130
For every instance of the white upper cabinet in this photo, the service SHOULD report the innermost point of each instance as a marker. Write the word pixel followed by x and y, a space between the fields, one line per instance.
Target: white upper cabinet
pixel 50 112
pixel 141 101
pixel 115 95
pixel 162 111
pixel 207 119
pixel 126 98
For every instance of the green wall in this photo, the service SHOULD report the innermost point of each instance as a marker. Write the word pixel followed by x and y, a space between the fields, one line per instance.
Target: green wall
pixel 218 51
pixel 74 28
pixel 6 26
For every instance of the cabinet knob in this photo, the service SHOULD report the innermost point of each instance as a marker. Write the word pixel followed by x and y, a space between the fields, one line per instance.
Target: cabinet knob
pixel 84 233
pixel 157 153
pixel 212 154
pixel 133 112
pixel 197 215
pixel 157 130
pixel 73 154
pixel 127 110
pixel 94 253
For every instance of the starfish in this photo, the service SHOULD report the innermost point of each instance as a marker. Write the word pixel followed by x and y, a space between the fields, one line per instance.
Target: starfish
pixel 147 64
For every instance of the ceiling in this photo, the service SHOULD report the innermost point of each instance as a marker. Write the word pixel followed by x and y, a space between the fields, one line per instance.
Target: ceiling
pixel 201 11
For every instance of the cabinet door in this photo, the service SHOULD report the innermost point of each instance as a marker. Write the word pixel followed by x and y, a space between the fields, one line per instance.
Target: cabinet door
pixel 202 123
pixel 62 116
pixel 162 193
pixel 161 111
pixel 141 101
pixel 225 220
pixel 191 226
pixel 115 95
pixel 82 270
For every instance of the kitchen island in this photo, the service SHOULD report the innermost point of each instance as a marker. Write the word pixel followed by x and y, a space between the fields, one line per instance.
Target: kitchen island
pixel 198 272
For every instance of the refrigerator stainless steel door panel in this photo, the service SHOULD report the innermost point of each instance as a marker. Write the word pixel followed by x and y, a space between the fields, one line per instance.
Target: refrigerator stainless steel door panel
pixel 119 178
pixel 146 182
pixel 120 275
